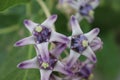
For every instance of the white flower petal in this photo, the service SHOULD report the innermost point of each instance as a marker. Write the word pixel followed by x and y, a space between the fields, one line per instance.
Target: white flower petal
pixel 61 68
pixel 57 37
pixel 73 4
pixel 50 21
pixel 56 77
pixel 78 16
pixel 96 44
pixel 92 34
pixel 58 50
pixel 42 49
pixel 72 58
pixel 75 26
pixel 30 25
pixel 45 74
pixel 94 3
pixel 25 41
pixel 90 54
pixel 32 63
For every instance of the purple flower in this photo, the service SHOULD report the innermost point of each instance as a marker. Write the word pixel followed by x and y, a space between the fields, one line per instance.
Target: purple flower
pixel 42 33
pixel 45 61
pixel 82 44
pixel 80 70
pixel 83 8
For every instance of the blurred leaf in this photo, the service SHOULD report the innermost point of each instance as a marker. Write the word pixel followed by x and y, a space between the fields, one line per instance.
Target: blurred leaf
pixel 108 58
pixel 4 4
pixel 10 56
pixel 8 19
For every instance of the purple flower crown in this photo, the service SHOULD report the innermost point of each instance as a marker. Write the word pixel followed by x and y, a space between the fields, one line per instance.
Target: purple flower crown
pixel 48 61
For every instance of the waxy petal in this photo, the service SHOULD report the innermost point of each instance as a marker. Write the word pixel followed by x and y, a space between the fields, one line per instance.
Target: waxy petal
pixel 72 58
pixel 54 77
pixel 32 63
pixel 96 44
pixel 49 21
pixel 73 4
pixel 61 68
pixel 45 74
pixel 94 3
pixel 90 18
pixel 90 54
pixel 57 37
pixel 92 34
pixel 75 26
pixel 25 41
pixel 30 25
pixel 58 50
pixel 42 49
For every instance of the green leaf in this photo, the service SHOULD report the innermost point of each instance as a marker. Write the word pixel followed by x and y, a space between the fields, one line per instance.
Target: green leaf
pixel 108 58
pixel 4 4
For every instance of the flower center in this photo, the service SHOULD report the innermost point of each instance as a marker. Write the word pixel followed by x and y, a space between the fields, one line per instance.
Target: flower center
pixel 41 34
pixel 79 43
pixel 86 10
pixel 45 65
pixel 38 29
pixel 84 43
pixel 84 72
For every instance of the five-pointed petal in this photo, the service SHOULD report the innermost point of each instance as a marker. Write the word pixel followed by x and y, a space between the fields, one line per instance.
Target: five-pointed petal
pixel 82 44
pixel 42 33
pixel 45 61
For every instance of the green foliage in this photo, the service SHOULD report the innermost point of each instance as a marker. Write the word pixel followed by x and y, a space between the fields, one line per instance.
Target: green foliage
pixel 4 4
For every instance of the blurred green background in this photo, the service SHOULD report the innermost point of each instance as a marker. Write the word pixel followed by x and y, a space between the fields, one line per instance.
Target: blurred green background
pixel 12 29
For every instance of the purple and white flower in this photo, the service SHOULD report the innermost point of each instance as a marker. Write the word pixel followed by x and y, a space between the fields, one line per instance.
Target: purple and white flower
pixel 45 61
pixel 83 8
pixel 42 33
pixel 80 70
pixel 82 44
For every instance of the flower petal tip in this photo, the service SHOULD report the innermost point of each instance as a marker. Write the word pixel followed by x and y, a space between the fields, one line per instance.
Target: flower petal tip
pixel 18 44
pixel 96 30
pixel 94 58
pixel 54 16
pixel 73 18
pixel 26 22
pixel 21 65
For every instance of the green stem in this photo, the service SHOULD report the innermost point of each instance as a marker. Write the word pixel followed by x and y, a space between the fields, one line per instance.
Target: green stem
pixel 28 9
pixel 9 29
pixel 30 49
pixel 45 9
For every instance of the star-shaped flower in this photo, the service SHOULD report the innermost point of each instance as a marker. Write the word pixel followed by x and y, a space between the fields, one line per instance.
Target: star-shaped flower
pixel 80 70
pixel 42 33
pixel 46 61
pixel 83 8
pixel 82 44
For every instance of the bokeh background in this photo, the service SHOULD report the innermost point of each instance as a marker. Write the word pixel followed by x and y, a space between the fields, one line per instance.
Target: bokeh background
pixel 12 15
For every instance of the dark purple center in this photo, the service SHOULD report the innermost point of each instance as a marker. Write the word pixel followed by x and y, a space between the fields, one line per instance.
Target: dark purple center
pixel 77 43
pixel 43 35
pixel 85 9
pixel 48 65
pixel 84 72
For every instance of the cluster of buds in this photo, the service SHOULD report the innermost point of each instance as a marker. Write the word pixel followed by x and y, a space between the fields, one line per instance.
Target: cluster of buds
pixel 81 8
pixel 48 60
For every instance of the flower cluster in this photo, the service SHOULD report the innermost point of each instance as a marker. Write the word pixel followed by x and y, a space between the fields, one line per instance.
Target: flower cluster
pixel 81 8
pixel 48 60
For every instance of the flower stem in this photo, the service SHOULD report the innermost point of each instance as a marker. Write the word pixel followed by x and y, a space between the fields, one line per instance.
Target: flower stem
pixel 30 49
pixel 45 9
pixel 9 29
